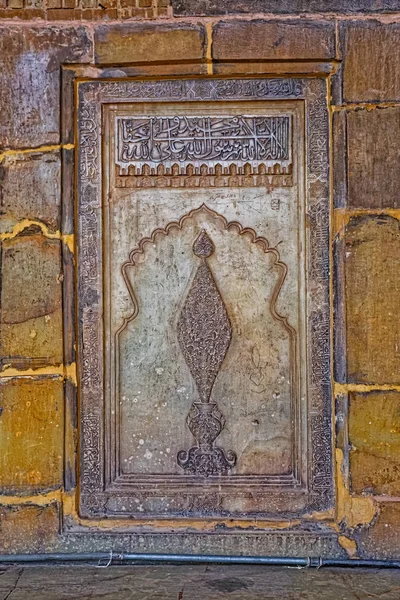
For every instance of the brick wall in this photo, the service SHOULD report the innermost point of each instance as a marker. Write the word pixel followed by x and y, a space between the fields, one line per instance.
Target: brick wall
pixel 357 46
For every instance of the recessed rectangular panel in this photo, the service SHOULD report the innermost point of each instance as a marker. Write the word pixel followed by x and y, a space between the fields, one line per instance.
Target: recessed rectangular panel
pixel 203 294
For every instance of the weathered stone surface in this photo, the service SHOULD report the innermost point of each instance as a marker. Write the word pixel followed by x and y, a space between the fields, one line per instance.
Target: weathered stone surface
pixel 30 80
pixel 157 70
pixel 225 7
pixel 374 434
pixel 31 311
pixel 374 158
pixel 85 9
pixel 339 160
pixel 27 528
pixel 30 189
pixel 135 43
pixel 192 582
pixel 339 311
pixel 276 67
pixel 381 540
pixel 271 40
pixel 337 85
pixel 8 579
pixel 372 265
pixel 31 434
pixel 371 68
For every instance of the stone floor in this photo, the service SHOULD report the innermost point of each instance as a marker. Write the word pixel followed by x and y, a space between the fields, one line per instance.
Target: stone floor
pixel 197 583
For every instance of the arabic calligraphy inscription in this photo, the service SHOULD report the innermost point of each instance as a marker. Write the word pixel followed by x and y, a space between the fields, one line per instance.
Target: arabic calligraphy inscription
pixel 193 146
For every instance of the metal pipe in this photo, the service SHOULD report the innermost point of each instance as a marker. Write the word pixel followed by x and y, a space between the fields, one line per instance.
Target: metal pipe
pixel 129 558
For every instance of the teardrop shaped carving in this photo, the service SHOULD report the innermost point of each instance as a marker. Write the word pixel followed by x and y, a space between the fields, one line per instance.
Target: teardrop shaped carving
pixel 204 334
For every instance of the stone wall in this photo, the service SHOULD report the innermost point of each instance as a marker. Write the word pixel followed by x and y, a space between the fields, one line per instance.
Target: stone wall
pixel 356 46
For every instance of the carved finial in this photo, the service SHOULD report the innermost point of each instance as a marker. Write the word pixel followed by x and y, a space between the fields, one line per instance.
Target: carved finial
pixel 204 334
pixel 203 246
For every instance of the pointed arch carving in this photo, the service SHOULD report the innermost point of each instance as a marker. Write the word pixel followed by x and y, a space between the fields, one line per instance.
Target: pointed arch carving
pixel 228 226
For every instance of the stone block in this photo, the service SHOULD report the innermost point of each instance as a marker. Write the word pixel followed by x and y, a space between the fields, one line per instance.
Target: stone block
pixel 210 8
pixel 374 158
pixel 273 40
pixel 158 70
pixel 31 435
pixel 277 68
pixel 371 62
pixel 30 189
pixel 67 14
pixel 374 434
pixel 136 43
pixel 339 159
pixel 31 304
pixel 35 4
pixel 98 14
pixel 28 528
pixel 30 80
pixel 23 13
pixel 381 540
pixel 372 264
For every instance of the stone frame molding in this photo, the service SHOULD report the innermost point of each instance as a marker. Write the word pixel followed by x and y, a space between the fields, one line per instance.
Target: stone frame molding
pixel 94 498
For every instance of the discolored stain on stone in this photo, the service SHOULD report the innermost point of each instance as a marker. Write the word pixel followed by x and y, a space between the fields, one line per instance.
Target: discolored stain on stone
pixel 31 303
pixel 136 43
pixel 30 189
pixel 28 528
pixel 371 68
pixel 31 434
pixel 374 434
pixel 382 539
pixel 228 584
pixel 374 158
pixel 30 80
pixel 266 456
pixel 372 296
pixel 273 40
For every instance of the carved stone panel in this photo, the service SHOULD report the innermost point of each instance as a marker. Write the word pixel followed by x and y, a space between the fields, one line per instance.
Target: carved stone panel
pixel 203 286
